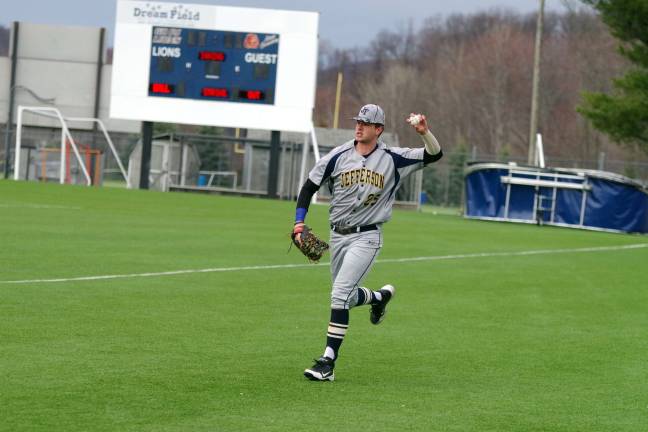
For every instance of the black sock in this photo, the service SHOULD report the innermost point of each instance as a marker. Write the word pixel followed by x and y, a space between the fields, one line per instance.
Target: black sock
pixel 366 296
pixel 337 328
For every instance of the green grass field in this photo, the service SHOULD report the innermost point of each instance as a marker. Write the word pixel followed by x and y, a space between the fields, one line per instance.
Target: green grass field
pixel 552 341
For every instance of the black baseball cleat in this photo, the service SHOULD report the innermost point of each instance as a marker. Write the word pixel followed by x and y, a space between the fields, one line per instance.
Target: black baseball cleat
pixel 322 370
pixel 378 311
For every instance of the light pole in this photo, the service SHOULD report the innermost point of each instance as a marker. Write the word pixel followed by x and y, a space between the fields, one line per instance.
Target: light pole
pixel 536 83
pixel 49 101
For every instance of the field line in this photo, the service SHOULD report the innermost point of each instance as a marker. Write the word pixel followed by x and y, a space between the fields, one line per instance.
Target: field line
pixel 287 266
pixel 37 206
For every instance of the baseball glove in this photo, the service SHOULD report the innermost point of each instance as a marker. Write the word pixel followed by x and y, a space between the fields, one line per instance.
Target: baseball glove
pixel 309 244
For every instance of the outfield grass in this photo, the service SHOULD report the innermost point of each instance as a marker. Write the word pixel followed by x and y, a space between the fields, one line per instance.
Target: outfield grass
pixel 544 342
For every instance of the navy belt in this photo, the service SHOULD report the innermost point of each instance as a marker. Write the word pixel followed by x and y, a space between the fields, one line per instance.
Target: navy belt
pixel 355 229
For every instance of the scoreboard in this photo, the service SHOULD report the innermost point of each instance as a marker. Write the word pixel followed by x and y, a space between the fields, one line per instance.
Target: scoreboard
pixel 213 65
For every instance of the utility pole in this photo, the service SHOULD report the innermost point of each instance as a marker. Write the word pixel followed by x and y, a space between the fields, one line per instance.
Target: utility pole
pixel 338 93
pixel 536 83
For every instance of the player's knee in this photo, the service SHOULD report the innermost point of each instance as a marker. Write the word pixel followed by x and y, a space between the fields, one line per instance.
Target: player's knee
pixel 338 303
pixel 344 299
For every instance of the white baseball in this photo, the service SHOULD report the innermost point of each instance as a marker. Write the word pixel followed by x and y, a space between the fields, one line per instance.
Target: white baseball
pixel 414 119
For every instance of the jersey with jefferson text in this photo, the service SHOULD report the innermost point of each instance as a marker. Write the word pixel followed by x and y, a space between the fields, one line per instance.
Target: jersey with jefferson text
pixel 363 188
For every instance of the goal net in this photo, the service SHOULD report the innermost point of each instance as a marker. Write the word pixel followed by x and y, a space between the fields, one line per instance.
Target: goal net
pixel 56 153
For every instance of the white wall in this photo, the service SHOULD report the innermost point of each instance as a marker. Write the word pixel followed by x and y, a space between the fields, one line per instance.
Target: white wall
pixel 113 124
pixel 5 73
pixel 60 63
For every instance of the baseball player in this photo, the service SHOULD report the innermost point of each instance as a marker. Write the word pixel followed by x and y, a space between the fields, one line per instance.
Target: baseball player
pixel 363 175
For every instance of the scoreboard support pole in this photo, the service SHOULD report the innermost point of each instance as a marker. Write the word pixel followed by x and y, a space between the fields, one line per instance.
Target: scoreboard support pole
pixel 145 165
pixel 273 169
pixel 10 108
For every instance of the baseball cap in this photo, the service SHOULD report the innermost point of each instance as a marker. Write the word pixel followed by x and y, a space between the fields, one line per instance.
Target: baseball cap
pixel 371 113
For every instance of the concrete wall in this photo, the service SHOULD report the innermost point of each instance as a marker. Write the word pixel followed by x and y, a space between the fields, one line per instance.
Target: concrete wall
pixel 5 73
pixel 60 63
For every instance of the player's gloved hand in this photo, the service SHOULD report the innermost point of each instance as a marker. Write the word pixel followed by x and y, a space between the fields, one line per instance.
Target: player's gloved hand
pixel 308 243
pixel 297 231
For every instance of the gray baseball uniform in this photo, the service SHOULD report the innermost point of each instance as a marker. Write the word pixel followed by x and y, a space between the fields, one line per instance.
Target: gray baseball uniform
pixel 363 192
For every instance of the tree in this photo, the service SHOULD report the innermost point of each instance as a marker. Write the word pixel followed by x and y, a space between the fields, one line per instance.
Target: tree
pixel 623 115
pixel 456 161
pixel 471 74
pixel 4 40
pixel 432 185
pixel 160 128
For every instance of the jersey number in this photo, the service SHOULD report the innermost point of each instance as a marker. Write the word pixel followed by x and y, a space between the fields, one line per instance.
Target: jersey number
pixel 371 200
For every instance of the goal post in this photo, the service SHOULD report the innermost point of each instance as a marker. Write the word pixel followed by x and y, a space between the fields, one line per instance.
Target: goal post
pixel 67 142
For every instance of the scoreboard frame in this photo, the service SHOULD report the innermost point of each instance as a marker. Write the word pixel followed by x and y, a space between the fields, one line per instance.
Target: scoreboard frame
pixel 285 104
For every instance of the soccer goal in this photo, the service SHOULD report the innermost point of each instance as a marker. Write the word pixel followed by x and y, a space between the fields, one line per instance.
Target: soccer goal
pixel 62 159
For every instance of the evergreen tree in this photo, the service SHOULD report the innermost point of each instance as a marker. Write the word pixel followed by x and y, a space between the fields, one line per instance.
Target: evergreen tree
pixel 624 114
pixel 456 164
pixel 432 185
pixel 160 128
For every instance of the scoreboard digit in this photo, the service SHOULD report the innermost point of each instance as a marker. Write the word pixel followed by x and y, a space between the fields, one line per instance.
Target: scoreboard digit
pixel 213 65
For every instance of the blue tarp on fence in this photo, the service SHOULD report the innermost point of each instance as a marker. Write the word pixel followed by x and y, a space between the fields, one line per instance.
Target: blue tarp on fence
pixel 566 197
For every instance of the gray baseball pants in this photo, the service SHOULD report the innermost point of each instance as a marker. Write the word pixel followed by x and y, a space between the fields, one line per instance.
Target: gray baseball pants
pixel 352 256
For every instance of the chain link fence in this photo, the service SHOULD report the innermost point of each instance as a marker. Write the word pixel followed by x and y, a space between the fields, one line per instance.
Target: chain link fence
pixel 41 152
pixel 242 165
